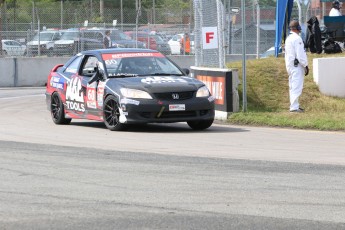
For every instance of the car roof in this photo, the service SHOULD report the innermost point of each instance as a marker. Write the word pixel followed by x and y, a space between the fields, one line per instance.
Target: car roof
pixel 118 50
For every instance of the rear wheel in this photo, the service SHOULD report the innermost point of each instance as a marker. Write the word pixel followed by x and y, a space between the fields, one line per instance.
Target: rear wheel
pixel 57 110
pixel 111 114
pixel 200 125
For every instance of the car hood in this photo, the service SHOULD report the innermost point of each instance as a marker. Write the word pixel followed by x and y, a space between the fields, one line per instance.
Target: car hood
pixel 36 42
pixel 125 41
pixel 64 42
pixel 157 84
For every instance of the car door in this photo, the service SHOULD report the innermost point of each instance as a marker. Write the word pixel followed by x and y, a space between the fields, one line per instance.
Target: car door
pixel 92 92
pixel 74 91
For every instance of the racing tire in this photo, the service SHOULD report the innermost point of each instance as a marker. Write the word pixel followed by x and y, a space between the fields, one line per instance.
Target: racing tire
pixel 111 114
pixel 57 111
pixel 200 125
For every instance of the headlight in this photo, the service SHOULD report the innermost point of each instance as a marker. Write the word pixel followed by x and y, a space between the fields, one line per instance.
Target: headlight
pixel 135 93
pixel 203 92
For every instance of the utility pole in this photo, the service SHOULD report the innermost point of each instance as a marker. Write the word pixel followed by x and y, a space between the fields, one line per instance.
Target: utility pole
pixel 121 6
pixel 138 11
pixel 154 11
pixel 244 93
pixel 101 9
pixel 1 4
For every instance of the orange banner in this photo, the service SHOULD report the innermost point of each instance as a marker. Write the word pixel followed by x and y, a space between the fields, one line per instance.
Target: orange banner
pixel 216 85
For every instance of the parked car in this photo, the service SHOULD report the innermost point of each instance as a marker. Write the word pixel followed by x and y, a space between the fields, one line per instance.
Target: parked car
pixel 91 39
pixel 175 43
pixel 68 44
pixel 152 41
pixel 271 52
pixel 123 86
pixel 13 48
pixel 120 39
pixel 43 41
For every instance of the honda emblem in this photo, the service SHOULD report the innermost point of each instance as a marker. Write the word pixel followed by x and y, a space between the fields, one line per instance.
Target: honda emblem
pixel 175 96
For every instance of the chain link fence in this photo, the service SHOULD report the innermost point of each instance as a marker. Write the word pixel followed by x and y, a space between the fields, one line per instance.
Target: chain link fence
pixel 22 23
pixel 209 15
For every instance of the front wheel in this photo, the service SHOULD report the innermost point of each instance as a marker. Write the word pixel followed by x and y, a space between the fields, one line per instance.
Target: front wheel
pixel 111 114
pixel 57 110
pixel 200 125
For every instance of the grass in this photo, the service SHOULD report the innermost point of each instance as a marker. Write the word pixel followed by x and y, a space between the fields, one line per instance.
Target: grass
pixel 268 98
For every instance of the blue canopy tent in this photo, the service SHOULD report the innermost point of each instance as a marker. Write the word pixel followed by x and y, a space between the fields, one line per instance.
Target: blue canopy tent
pixel 283 13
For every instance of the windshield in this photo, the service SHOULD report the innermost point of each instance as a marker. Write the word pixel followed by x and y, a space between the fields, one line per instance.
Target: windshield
pixel 44 37
pixel 69 35
pixel 158 38
pixel 139 64
pixel 118 35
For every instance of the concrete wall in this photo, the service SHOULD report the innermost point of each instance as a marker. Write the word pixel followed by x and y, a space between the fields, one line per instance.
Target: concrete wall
pixel 18 72
pixel 329 75
pixel 26 71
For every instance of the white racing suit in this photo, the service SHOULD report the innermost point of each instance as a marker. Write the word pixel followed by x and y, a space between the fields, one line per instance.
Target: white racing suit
pixel 294 48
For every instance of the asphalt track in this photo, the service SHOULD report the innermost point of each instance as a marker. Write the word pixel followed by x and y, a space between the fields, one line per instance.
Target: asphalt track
pixel 163 176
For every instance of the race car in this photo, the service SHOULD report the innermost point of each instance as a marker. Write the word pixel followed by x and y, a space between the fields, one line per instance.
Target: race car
pixel 126 86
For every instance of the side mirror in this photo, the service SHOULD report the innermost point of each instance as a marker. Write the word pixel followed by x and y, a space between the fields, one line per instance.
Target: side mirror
pixel 186 71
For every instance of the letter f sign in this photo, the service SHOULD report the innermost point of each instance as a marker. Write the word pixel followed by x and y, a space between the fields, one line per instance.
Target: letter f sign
pixel 209 36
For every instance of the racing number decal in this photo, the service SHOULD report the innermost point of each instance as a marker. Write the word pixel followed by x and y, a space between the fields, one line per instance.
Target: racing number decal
pixel 75 95
pixel 91 95
pixel 100 93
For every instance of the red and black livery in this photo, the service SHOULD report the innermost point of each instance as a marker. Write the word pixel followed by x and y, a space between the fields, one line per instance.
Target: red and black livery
pixel 127 86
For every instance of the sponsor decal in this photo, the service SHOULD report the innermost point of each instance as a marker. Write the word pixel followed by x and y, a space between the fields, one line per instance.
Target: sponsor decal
pixel 177 107
pixel 211 98
pixel 159 80
pixel 91 95
pixel 129 101
pixel 128 55
pixel 216 85
pixel 71 70
pixel 75 95
pixel 55 83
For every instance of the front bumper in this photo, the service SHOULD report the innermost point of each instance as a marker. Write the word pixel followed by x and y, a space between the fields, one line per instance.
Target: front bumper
pixel 155 111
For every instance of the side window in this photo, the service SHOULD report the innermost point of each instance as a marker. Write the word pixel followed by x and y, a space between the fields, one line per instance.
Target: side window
pixel 73 67
pixel 89 66
pixel 88 34
pixel 99 37
pixel 55 36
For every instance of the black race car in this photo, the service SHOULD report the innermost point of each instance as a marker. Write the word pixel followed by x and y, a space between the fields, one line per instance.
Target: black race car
pixel 127 86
